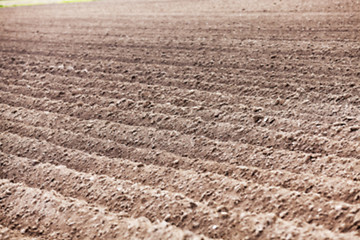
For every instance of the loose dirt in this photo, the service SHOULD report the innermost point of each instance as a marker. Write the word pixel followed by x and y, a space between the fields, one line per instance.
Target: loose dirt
pixel 180 120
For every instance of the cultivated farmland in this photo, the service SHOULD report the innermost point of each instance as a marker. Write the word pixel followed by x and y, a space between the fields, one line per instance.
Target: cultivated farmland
pixel 180 120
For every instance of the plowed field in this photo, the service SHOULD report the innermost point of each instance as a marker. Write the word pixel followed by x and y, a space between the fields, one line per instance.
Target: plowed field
pixel 180 120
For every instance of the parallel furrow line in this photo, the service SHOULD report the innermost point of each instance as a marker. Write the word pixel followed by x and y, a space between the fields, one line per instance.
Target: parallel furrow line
pixel 220 135
pixel 201 91
pixel 203 147
pixel 124 99
pixel 219 76
pixel 262 87
pixel 175 61
pixel 117 195
pixel 49 214
pixel 176 46
pixel 217 191
pixel 332 188
pixel 74 214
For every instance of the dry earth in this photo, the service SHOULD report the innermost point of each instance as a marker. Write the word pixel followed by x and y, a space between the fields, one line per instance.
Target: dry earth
pixel 180 120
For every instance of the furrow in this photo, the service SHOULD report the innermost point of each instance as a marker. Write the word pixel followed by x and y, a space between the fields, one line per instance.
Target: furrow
pixel 241 51
pixel 247 120
pixel 249 173
pixel 173 141
pixel 215 189
pixel 240 77
pixel 49 214
pixel 332 188
pixel 77 217
pixel 116 195
pixel 201 60
pixel 170 119
pixel 214 24
pixel 183 100
pixel 197 90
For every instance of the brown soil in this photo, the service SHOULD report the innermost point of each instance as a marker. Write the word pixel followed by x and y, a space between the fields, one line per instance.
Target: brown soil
pixel 180 120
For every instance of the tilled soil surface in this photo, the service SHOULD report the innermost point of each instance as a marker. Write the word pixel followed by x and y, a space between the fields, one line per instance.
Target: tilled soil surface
pixel 180 120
